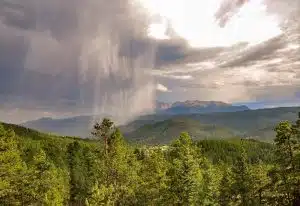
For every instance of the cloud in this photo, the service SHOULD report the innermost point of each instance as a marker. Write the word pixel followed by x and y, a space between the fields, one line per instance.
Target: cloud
pixel 90 53
pixel 162 88
pixel 262 51
pixel 267 71
pixel 227 10
pixel 76 57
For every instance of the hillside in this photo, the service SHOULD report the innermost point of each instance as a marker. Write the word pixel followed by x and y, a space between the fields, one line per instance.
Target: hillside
pixel 173 127
pixel 165 131
pixel 258 124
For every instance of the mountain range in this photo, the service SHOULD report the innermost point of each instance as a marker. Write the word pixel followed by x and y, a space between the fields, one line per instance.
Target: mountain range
pixel 192 117
pixel 81 125
pixel 196 106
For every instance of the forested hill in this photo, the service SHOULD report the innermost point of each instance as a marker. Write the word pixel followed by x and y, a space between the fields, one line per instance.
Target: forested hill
pixel 163 128
pixel 256 124
pixel 163 132
pixel 44 169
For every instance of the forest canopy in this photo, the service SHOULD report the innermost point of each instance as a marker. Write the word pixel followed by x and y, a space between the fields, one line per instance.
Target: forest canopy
pixel 44 169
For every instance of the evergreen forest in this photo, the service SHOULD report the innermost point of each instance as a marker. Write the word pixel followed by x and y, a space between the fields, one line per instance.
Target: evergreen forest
pixel 44 169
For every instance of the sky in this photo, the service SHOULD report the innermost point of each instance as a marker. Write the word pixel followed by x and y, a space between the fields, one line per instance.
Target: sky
pixel 73 57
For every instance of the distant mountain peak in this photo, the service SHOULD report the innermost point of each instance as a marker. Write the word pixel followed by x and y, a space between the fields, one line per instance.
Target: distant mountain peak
pixel 193 103
pixel 197 106
pixel 190 103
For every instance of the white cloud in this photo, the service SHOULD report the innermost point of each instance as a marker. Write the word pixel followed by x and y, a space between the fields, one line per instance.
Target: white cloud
pixel 195 21
pixel 162 88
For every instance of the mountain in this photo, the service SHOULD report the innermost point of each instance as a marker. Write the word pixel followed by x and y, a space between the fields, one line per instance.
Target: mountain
pixel 74 126
pixel 162 105
pixel 200 107
pixel 257 124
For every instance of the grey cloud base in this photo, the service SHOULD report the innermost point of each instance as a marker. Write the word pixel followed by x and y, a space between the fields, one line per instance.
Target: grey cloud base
pixel 75 57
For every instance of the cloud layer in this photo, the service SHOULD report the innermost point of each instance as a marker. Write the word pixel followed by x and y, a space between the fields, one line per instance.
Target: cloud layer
pixel 75 55
pixel 63 58
pixel 243 72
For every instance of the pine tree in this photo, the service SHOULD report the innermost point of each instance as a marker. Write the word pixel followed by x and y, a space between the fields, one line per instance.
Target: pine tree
pixel 185 175
pixel 286 173
pixel 242 186
pixel 152 188
pixel 118 180
pixel 12 169
pixel 225 192
pixel 103 131
pixel 77 173
pixel 45 184
pixel 286 143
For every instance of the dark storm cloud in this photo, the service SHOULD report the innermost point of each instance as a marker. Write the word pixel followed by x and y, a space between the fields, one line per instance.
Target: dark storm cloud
pixel 42 44
pixel 13 50
pixel 180 54
pixel 168 53
pixel 260 52
pixel 49 55
pixel 47 37
pixel 74 55
pixel 17 14
pixel 227 9
pixel 57 31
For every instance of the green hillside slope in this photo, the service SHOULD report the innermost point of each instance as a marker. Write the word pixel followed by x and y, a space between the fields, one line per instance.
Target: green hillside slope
pixel 166 130
pixel 255 124
pixel 258 124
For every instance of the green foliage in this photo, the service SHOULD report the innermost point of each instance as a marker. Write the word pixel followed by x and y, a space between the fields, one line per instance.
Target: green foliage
pixel 35 181
pixel 42 169
pixel 220 151
pixel 188 174
pixel 242 186
pixel 44 183
pixel 103 131
pixel 225 193
pixel 152 188
pixel 285 174
pixel 78 173
pixel 164 132
pixel 12 168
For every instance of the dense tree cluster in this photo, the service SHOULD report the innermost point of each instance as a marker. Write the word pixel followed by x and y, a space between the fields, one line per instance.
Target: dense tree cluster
pixel 40 169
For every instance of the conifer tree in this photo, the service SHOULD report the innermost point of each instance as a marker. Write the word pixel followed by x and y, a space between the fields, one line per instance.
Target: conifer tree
pixel 103 131
pixel 12 168
pixel 286 174
pixel 225 192
pixel 185 175
pixel 45 184
pixel 242 186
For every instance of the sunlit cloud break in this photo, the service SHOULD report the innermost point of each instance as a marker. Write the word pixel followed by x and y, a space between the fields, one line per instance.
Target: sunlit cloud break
pixel 162 88
pixel 200 27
